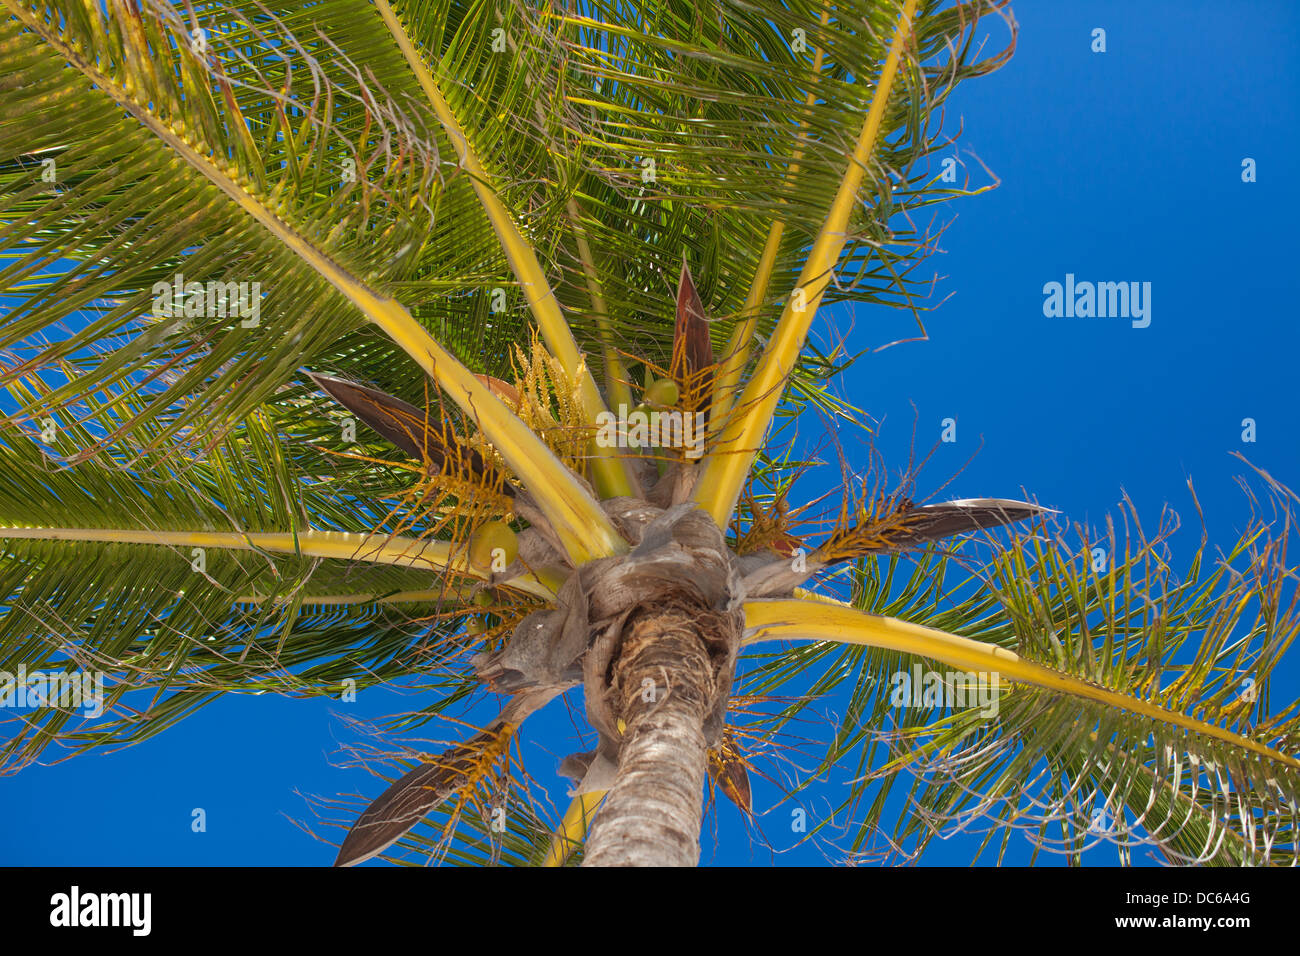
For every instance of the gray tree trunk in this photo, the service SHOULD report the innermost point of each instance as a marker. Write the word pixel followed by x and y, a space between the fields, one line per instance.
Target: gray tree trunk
pixel 665 682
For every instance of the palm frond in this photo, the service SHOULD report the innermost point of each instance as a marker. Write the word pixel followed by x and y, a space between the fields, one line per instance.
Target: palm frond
pixel 1105 699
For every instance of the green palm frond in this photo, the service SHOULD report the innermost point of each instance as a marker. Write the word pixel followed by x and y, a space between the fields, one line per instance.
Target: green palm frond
pixel 136 216
pixel 1172 745
pixel 722 134
pixel 572 105
pixel 205 579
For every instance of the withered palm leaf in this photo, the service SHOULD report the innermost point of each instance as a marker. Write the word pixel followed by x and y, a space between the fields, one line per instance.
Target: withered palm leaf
pixel 930 523
pixel 413 431
pixel 692 360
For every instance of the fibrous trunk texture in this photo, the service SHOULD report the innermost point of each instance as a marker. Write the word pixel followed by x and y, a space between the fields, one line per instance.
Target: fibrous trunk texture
pixel 665 684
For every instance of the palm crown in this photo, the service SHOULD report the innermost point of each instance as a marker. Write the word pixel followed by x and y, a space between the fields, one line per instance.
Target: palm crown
pixel 504 238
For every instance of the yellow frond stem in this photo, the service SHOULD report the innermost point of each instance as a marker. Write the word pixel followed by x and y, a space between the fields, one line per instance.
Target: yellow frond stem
pixel 578 519
pixel 737 355
pixel 807 595
pixel 608 471
pixel 348 600
pixel 616 374
pixel 341 545
pixel 807 621
pixel 528 583
pixel 573 828
pixel 733 454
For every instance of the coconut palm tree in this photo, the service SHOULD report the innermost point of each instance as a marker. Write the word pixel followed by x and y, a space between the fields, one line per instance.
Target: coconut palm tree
pixel 356 342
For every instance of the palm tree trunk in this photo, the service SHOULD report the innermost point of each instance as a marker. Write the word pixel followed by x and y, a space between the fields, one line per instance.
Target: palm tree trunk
pixel 664 683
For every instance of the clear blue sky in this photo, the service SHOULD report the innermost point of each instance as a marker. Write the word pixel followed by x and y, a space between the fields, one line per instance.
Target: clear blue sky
pixel 1117 166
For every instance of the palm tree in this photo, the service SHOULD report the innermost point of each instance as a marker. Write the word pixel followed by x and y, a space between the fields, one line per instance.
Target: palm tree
pixel 442 342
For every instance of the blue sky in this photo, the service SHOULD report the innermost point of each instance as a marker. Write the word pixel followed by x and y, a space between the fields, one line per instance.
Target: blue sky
pixel 1116 166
